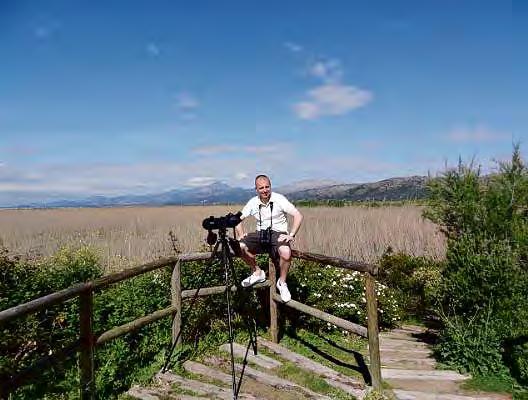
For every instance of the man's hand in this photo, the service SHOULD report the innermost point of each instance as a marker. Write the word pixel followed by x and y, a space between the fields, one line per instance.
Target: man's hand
pixel 285 238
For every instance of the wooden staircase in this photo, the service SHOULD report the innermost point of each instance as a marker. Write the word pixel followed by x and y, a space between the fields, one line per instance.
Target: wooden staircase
pixel 408 368
pixel 212 378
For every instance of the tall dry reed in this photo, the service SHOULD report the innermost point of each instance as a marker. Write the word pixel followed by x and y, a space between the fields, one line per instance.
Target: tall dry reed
pixel 131 235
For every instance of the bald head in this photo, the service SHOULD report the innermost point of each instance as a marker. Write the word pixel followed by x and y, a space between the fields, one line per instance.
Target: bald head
pixel 263 187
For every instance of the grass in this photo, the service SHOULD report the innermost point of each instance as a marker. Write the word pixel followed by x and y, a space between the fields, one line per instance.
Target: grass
pixel 311 381
pixel 497 384
pixel 342 353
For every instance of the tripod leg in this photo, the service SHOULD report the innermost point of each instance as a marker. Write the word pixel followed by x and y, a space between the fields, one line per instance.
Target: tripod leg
pixel 225 262
pixel 251 326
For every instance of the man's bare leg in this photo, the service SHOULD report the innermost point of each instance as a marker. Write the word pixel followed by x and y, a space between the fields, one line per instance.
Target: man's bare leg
pixel 284 262
pixel 249 258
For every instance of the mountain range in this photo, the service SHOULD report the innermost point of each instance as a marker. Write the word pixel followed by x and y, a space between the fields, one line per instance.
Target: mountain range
pixel 400 188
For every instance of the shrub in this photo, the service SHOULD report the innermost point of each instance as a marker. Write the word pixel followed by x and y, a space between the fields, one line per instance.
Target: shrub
pixel 471 345
pixel 341 293
pixel 415 280
pixel 516 358
pixel 40 334
pixel 485 279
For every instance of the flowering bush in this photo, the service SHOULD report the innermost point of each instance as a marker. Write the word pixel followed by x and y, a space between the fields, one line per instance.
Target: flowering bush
pixel 342 293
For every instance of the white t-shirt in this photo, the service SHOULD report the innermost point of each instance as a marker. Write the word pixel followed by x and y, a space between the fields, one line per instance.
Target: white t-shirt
pixel 272 214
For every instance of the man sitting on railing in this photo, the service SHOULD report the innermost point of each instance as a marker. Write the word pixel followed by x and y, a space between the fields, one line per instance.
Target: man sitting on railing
pixel 271 236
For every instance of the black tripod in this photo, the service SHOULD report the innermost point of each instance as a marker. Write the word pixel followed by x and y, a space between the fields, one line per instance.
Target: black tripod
pixel 222 253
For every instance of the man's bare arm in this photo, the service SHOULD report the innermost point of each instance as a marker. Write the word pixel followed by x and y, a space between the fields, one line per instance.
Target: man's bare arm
pixel 297 221
pixel 239 229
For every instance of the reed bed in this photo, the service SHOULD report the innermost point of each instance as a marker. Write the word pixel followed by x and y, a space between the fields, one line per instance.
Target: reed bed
pixel 131 235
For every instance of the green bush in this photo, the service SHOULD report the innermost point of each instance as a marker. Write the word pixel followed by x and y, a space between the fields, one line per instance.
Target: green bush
pixel 471 345
pixel 121 362
pixel 482 273
pixel 415 280
pixel 341 293
pixel 485 280
pixel 42 333
pixel 516 358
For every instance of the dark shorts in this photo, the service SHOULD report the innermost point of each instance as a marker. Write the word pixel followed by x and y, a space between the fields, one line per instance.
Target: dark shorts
pixel 251 240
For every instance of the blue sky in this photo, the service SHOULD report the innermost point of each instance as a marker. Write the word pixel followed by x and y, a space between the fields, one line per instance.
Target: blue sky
pixel 121 97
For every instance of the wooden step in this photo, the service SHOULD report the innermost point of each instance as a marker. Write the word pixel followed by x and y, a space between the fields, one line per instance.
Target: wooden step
pixel 262 378
pixel 408 363
pixel 201 388
pixel 419 374
pixel 416 395
pixel 332 377
pixel 158 394
pixel 259 359
pixel 144 393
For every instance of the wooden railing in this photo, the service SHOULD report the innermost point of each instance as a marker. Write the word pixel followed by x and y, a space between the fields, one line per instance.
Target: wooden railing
pixel 88 340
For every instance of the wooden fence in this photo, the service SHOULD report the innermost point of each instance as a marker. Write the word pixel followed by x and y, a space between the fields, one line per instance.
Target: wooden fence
pixel 88 340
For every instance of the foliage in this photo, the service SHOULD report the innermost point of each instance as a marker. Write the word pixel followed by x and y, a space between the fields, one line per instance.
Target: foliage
pixel 416 281
pixel 340 293
pixel 122 361
pixel 516 355
pixel 44 332
pixel 473 346
pixel 321 203
pixel 485 280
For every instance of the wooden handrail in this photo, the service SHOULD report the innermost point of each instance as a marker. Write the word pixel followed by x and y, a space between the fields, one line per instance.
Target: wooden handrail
pixel 314 312
pixel 97 284
pixel 337 262
pixel 88 341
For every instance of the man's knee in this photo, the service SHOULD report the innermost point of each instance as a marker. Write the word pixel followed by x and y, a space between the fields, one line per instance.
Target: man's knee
pixel 245 250
pixel 285 253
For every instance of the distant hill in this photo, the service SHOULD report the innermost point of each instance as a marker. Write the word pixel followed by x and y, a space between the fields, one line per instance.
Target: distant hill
pixel 217 193
pixel 403 188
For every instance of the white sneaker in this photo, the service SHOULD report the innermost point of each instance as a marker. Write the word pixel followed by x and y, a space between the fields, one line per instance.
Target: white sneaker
pixel 254 278
pixel 284 291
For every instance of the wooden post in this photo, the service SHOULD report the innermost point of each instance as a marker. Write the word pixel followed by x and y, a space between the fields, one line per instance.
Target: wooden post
pixel 274 325
pixel 176 299
pixel 373 331
pixel 86 357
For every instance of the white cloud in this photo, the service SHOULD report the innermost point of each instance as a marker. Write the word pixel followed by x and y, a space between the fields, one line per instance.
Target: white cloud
pixel 329 71
pixel 153 49
pixel 269 149
pixel 186 106
pixel 214 149
pixel 200 181
pixel 187 102
pixel 293 47
pixel 331 99
pixel 224 149
pixel 46 28
pixel 476 134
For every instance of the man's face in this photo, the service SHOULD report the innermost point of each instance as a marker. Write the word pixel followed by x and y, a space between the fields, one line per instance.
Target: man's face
pixel 263 187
